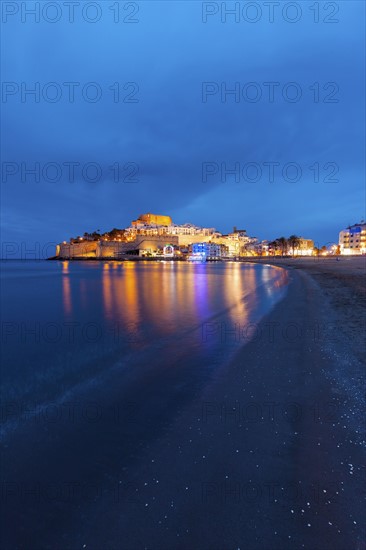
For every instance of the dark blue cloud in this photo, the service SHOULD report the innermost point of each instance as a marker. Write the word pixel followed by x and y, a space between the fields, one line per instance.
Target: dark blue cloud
pixel 170 132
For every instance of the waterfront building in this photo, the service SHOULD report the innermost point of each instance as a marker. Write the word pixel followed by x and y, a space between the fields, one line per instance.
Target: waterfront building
pixel 210 251
pixel 262 248
pixel 237 243
pixel 304 248
pixel 352 241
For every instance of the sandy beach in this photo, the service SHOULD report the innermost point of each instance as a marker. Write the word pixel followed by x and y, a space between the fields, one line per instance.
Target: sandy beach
pixel 343 285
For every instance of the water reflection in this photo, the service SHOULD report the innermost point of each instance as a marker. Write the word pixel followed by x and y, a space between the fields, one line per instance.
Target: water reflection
pixel 167 297
pixel 148 315
pixel 66 289
pixel 200 296
pixel 107 291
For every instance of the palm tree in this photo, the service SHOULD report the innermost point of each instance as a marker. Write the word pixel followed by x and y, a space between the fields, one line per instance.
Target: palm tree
pixel 282 241
pixel 274 246
pixel 294 242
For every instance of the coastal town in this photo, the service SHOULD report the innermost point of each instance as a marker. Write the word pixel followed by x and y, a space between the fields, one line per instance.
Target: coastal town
pixel 155 236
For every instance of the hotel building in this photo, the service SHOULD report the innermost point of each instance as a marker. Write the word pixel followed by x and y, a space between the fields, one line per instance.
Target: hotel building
pixel 353 239
pixel 209 251
pixel 304 248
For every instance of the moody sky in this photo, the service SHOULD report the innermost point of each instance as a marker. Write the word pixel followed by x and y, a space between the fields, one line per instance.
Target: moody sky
pixel 283 154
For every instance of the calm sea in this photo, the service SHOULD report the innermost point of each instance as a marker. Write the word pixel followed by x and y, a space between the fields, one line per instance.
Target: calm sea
pixel 98 358
pixel 70 326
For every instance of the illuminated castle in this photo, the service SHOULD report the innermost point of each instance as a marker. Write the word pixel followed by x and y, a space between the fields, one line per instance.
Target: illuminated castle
pixel 150 234
pixel 152 219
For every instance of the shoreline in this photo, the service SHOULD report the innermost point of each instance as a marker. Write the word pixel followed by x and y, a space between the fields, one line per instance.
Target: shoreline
pixel 343 286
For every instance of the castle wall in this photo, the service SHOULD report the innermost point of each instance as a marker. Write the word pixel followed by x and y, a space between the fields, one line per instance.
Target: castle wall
pixel 185 240
pixel 113 249
pixel 156 219
pixel 153 242
pixel 85 249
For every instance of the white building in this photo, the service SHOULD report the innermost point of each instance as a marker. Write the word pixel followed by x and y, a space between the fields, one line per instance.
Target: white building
pixel 305 247
pixel 173 229
pixel 353 239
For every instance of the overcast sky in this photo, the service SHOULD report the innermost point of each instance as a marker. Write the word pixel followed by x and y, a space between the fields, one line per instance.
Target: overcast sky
pixel 183 147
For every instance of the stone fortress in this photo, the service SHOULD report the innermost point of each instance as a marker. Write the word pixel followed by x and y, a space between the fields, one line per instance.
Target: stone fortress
pixel 147 236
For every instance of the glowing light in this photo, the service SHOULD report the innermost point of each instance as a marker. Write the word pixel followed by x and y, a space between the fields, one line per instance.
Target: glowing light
pixel 168 251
